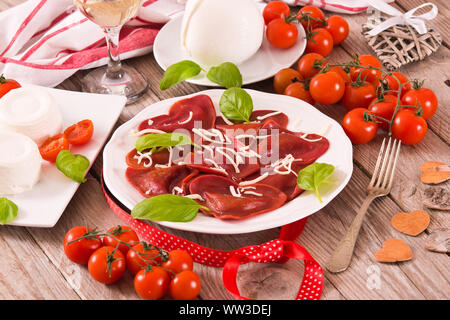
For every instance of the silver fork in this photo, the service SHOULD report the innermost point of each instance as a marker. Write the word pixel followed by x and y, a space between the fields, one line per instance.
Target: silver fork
pixel 380 185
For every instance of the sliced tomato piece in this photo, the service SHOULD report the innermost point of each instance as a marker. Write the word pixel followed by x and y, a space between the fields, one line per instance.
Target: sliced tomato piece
pixel 80 133
pixel 52 146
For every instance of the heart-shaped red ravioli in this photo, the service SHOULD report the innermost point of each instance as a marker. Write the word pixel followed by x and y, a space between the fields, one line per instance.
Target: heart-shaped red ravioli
pixel 257 120
pixel 184 114
pixel 227 200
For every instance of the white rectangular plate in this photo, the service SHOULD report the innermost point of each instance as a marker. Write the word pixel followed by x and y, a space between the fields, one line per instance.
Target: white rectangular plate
pixel 45 203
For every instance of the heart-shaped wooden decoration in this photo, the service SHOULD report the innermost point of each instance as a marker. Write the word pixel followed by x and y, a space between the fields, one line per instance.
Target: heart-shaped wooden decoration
pixel 394 250
pixel 434 172
pixel 411 223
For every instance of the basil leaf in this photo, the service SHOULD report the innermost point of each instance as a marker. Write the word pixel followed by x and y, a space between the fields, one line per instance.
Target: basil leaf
pixel 167 207
pixel 179 72
pixel 227 75
pixel 236 104
pixel 74 166
pixel 8 211
pixel 162 140
pixel 311 177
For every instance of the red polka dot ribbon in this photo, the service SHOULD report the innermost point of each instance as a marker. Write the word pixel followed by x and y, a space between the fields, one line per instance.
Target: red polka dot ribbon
pixel 278 250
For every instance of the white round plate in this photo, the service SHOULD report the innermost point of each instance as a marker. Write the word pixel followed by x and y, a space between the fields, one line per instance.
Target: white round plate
pixel 265 63
pixel 302 117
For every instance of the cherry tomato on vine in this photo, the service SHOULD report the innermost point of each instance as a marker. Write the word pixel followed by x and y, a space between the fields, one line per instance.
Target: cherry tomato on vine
pixel 179 260
pixel 80 133
pixel 185 286
pixel 123 233
pixel 136 259
pixel 340 71
pixel 285 77
pixel 275 10
pixel 327 88
pixel 320 42
pixel 152 285
pixel 384 108
pixel 281 34
pixel 369 75
pixel 338 28
pixel 424 98
pixel 317 17
pixel 357 128
pixel 6 85
pixel 310 64
pixel 298 90
pixel 408 127
pixel 358 95
pixel 80 251
pixel 52 146
pixel 106 265
pixel 392 83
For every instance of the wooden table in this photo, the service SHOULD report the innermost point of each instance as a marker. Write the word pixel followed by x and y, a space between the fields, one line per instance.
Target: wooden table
pixel 33 264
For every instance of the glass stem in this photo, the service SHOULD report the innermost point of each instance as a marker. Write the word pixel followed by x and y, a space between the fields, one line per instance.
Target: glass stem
pixel 114 69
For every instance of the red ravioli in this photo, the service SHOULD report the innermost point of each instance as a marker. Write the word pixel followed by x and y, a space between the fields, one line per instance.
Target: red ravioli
pixel 281 119
pixel 133 160
pixel 215 190
pixel 155 181
pixel 183 114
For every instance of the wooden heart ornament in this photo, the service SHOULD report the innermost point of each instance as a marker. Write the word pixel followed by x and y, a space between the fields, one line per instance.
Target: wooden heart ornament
pixel 412 223
pixel 394 250
pixel 434 172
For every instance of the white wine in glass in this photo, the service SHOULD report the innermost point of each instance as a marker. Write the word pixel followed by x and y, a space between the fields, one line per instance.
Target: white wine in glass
pixel 111 15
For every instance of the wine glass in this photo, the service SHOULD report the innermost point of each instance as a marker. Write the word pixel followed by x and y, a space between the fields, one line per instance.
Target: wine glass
pixel 114 78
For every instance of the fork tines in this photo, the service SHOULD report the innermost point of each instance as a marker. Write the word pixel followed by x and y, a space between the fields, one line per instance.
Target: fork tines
pixel 383 178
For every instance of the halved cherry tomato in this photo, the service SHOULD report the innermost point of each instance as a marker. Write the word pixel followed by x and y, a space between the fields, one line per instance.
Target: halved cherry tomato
pixel 281 34
pixel 122 233
pixel 340 71
pixel 317 17
pixel 52 146
pixel 369 75
pixel 321 42
pixel 275 10
pixel 80 133
pixel 80 251
pixel 310 64
pixel 152 285
pixel 408 127
pixel 392 83
pixel 149 255
pixel 327 88
pixel 358 95
pixel 178 261
pixel 285 77
pixel 384 108
pixel 424 98
pixel 185 286
pixel 7 85
pixel 106 265
pixel 338 28
pixel 297 90
pixel 357 128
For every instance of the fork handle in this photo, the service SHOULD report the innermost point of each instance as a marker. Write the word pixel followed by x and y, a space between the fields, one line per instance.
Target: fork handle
pixel 342 255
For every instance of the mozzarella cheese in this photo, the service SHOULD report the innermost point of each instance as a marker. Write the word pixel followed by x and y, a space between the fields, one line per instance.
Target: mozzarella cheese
pixel 20 163
pixel 217 31
pixel 31 111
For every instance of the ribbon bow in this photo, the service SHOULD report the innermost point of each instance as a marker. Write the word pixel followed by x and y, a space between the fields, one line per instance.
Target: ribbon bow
pixel 417 22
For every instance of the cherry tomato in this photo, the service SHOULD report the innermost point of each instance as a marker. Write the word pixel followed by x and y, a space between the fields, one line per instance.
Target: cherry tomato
pixel 384 109
pixel 357 128
pixel 52 146
pixel 392 83
pixel 80 251
pixel 185 286
pixel 358 96
pixel 424 98
pixel 313 12
pixel 6 85
pixel 135 261
pixel 275 10
pixel 281 34
pixel 369 75
pixel 409 128
pixel 310 64
pixel 123 233
pixel 338 28
pixel 285 77
pixel 80 133
pixel 106 265
pixel 327 88
pixel 297 90
pixel 340 71
pixel 179 260
pixel 152 285
pixel 321 42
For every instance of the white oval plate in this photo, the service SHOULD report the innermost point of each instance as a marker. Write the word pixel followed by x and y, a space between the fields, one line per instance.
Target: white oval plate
pixel 302 117
pixel 265 63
